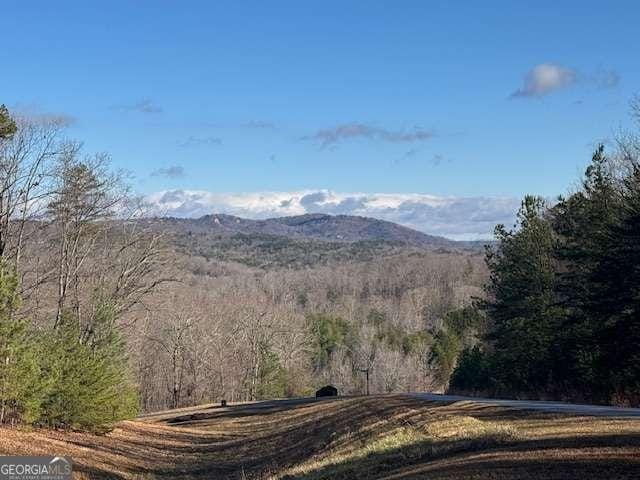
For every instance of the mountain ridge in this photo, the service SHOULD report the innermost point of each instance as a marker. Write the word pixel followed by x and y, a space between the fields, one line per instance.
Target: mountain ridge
pixel 317 227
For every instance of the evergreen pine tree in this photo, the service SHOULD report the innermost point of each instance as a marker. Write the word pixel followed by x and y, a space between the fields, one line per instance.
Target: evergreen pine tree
pixel 7 124
pixel 583 222
pixel 91 389
pixel 520 303
pixel 20 386
pixel 617 301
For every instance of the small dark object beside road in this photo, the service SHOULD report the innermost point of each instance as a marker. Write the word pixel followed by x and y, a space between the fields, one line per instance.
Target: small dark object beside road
pixel 328 391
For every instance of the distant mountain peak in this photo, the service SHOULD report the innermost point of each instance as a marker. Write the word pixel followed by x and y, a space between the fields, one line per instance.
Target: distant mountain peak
pixel 321 226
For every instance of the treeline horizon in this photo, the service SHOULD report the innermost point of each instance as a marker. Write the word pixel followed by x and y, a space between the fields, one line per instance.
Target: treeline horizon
pixel 562 304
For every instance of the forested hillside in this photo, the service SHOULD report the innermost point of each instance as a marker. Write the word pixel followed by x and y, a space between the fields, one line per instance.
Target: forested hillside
pixel 297 242
pixel 331 228
pixel 228 331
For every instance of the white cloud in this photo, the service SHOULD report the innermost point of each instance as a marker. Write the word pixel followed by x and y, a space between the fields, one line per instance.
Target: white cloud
pixel 544 79
pixel 460 218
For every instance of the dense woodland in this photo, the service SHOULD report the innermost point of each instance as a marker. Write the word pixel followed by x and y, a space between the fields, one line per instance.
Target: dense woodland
pixel 240 333
pixel 563 298
pixel 105 312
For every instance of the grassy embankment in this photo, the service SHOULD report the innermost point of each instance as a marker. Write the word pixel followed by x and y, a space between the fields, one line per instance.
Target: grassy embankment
pixel 390 437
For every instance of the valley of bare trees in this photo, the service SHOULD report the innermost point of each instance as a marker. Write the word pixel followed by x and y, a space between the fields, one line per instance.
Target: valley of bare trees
pixel 230 332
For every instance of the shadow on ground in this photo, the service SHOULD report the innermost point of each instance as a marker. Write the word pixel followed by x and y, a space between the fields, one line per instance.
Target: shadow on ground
pixel 593 457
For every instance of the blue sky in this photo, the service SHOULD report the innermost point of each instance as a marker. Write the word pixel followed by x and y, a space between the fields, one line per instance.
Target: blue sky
pixel 464 100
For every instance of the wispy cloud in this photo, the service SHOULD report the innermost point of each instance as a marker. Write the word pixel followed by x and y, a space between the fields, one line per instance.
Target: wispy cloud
pixel 327 137
pixel 439 159
pixel 144 105
pixel 547 78
pixel 174 171
pixel 605 78
pixel 543 79
pixel 412 152
pixel 200 141
pixel 259 124
pixel 406 156
pixel 413 155
pixel 462 218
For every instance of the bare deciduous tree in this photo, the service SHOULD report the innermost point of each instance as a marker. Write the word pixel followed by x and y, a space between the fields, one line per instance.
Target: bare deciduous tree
pixel 27 157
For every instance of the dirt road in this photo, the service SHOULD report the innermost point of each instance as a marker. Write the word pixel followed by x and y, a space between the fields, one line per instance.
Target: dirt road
pixel 557 407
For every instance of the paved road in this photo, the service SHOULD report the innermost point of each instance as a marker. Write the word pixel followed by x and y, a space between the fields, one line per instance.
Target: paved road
pixel 595 410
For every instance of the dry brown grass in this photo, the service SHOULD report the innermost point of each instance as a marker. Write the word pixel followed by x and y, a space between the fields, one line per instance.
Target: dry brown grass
pixel 390 437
